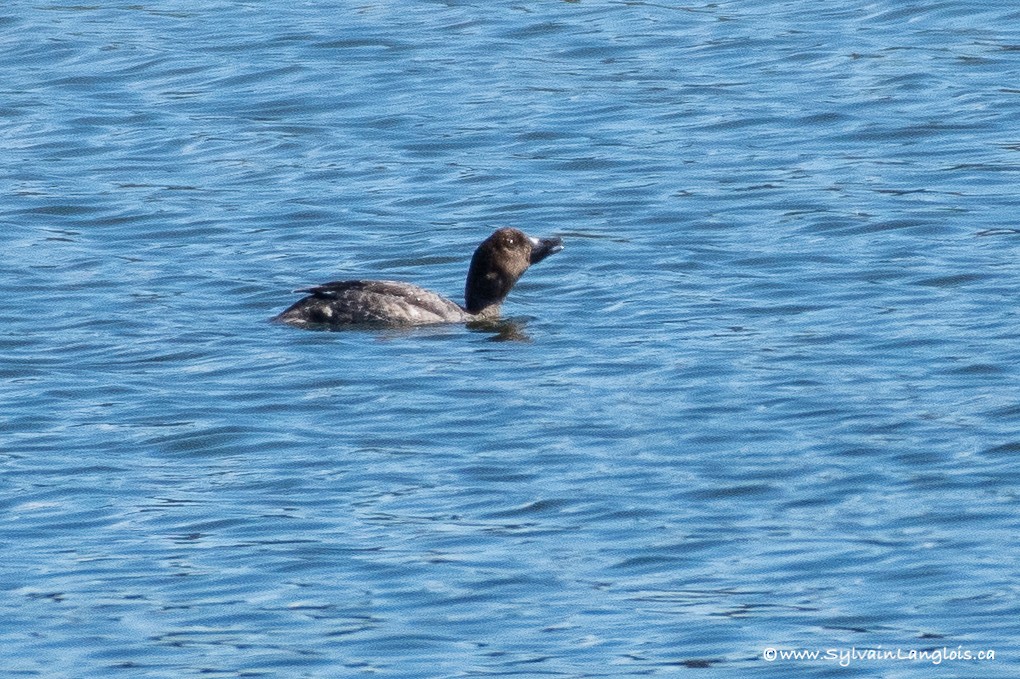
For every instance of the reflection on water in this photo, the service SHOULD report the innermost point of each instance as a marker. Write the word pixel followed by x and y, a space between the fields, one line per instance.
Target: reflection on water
pixel 503 330
pixel 499 330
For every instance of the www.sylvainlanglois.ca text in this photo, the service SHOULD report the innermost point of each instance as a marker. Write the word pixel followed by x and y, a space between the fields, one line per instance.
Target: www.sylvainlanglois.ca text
pixel 848 656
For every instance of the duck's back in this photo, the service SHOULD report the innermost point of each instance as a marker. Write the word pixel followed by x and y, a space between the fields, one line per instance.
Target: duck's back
pixel 371 303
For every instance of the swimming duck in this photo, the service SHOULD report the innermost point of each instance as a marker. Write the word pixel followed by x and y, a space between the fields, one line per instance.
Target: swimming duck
pixel 495 267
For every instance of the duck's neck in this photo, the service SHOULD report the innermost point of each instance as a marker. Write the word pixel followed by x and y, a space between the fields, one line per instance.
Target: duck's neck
pixel 485 292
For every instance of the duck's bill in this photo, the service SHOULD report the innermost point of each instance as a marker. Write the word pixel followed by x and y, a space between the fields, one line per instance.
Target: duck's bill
pixel 543 247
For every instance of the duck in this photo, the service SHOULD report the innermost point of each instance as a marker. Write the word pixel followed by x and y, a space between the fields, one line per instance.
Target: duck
pixel 497 264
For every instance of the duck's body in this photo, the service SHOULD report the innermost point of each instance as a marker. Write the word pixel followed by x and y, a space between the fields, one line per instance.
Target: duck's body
pixel 496 265
pixel 372 302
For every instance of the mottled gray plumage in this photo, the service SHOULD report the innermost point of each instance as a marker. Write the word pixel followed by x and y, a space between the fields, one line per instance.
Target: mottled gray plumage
pixel 495 267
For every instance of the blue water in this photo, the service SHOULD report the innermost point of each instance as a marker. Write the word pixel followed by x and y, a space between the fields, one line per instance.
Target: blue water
pixel 767 397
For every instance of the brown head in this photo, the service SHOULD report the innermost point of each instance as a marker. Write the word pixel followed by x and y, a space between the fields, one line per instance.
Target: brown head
pixel 497 264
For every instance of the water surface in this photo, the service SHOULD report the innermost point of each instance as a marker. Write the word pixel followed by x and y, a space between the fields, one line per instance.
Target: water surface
pixel 766 396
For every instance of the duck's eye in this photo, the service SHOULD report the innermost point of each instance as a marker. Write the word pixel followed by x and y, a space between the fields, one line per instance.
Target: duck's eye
pixel 509 241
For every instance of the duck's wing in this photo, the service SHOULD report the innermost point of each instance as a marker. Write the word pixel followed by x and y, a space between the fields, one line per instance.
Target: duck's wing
pixel 335 289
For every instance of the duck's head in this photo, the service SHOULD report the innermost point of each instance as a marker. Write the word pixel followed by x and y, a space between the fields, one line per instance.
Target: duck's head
pixel 498 262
